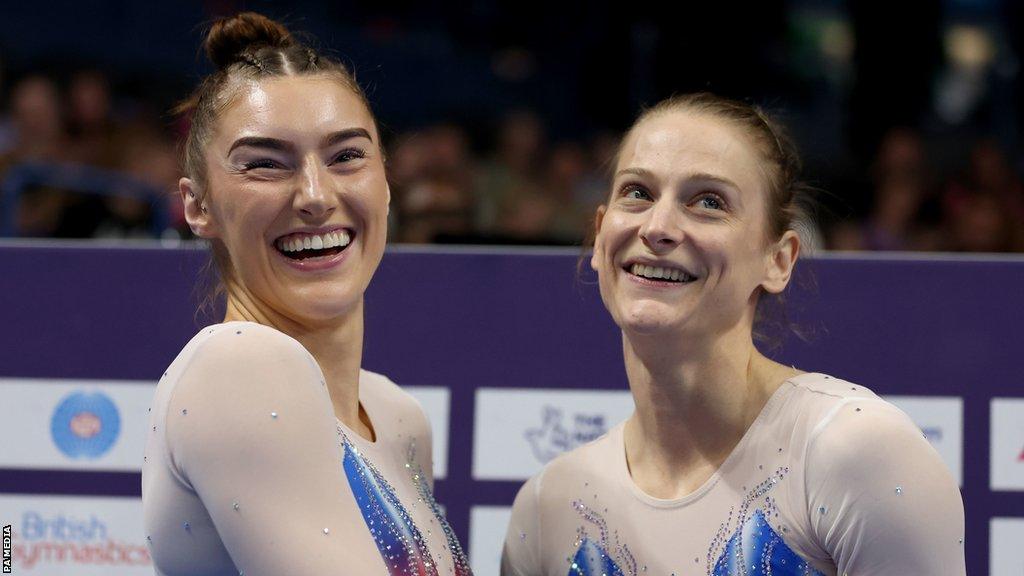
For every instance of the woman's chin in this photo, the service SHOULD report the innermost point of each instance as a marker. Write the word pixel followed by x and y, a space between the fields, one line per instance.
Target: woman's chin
pixel 648 320
pixel 319 307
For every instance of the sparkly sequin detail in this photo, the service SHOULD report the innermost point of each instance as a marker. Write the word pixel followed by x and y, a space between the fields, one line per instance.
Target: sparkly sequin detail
pixel 400 542
pixel 426 495
pixel 758 550
pixel 755 548
pixel 601 556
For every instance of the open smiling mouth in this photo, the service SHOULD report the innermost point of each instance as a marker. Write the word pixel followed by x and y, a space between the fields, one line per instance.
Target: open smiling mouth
pixel 660 274
pixel 307 246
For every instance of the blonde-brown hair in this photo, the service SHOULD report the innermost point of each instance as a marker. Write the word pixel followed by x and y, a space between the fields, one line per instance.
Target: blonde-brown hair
pixel 788 199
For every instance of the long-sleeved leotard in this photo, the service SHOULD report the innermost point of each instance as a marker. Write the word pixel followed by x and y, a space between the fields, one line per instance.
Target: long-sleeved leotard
pixel 829 479
pixel 247 470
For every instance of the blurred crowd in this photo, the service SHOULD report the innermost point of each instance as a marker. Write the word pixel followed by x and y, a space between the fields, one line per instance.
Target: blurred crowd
pixel 77 126
pixel 978 207
pixel 514 185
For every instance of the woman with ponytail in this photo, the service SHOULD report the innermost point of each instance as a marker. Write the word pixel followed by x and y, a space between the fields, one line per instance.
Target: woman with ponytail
pixel 732 464
pixel 269 450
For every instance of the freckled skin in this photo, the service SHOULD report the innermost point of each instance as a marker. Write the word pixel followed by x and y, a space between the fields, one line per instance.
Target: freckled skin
pixel 251 207
pixel 671 221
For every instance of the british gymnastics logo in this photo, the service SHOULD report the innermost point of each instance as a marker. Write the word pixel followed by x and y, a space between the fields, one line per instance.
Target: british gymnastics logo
pixel 85 425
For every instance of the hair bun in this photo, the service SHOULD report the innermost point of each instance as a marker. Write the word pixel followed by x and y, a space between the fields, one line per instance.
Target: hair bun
pixel 230 37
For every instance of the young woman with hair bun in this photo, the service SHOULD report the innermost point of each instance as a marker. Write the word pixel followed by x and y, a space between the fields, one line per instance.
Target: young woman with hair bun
pixel 731 464
pixel 269 450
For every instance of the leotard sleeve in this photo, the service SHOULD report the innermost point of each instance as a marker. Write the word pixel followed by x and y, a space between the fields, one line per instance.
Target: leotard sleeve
pixel 521 553
pixel 880 499
pixel 251 428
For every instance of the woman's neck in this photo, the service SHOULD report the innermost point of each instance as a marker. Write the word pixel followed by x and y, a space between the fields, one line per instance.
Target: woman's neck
pixel 693 405
pixel 337 347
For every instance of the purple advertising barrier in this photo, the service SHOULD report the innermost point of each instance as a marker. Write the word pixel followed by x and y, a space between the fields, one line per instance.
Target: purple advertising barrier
pixel 466 318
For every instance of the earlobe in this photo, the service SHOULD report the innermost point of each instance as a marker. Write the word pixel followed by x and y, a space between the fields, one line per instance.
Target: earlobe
pixel 781 261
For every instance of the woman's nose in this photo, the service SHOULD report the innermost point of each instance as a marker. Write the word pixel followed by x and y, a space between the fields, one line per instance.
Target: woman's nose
pixel 662 230
pixel 314 198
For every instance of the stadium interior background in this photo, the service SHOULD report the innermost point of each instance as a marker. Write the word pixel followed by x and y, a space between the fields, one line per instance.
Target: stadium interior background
pixel 499 119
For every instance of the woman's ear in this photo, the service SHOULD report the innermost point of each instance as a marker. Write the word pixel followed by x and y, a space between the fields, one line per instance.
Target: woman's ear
pixel 595 258
pixel 196 212
pixel 780 261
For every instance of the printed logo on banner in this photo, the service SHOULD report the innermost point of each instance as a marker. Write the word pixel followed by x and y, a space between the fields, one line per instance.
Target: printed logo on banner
pixel 1007 442
pixel 940 418
pixel 1005 537
pixel 517 431
pixel 552 437
pixel 85 425
pixel 77 535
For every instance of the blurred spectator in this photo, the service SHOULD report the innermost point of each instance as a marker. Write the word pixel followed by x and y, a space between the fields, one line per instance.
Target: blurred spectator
pixel 433 192
pixel 563 183
pixel 95 137
pixel 37 122
pixel 892 223
pixel 513 169
pixel 527 216
pixel 149 157
pixel 981 225
pixel 897 218
pixel 38 137
pixel 984 209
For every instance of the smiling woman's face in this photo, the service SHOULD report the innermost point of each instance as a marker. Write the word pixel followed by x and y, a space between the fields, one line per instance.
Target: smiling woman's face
pixel 297 194
pixel 681 245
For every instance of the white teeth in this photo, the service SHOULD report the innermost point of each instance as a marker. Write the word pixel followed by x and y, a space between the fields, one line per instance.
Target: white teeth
pixel 659 273
pixel 315 242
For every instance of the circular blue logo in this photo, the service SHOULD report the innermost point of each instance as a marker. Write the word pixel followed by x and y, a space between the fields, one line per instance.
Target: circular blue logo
pixel 85 425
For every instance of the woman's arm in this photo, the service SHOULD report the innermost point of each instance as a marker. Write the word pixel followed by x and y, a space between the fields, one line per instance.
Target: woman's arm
pixel 881 501
pixel 521 553
pixel 251 428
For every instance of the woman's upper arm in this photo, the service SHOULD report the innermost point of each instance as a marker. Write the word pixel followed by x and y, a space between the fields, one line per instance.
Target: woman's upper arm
pixel 251 427
pixel 521 553
pixel 880 499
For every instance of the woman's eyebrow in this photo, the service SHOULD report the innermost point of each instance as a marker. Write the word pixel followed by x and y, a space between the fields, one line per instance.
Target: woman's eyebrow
pixel 641 172
pixel 707 177
pixel 342 135
pixel 262 142
pixel 701 176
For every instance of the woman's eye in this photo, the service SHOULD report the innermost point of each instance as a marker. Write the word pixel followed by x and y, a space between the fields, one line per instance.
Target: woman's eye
pixel 261 163
pixel 349 155
pixel 636 193
pixel 710 202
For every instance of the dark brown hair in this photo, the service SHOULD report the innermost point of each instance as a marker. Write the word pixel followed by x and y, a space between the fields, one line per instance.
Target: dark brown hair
pixel 244 48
